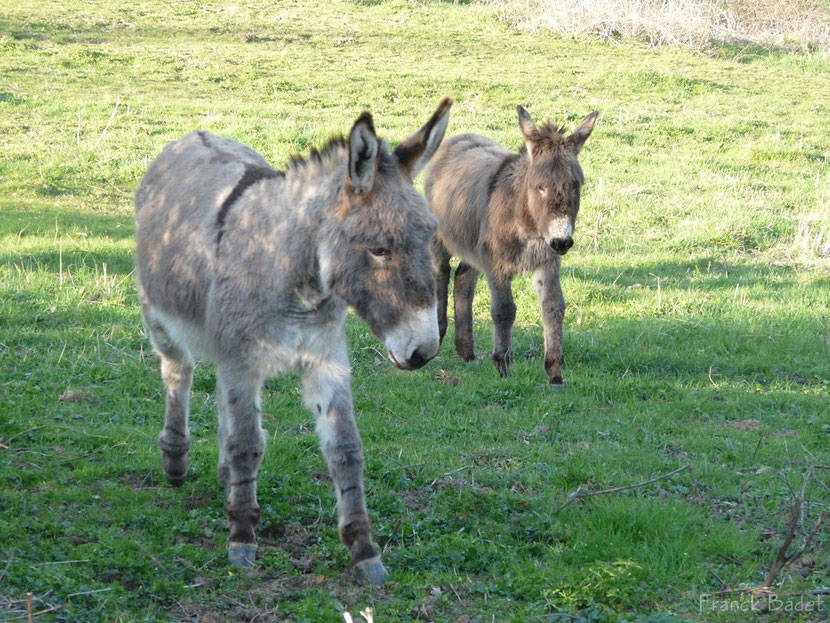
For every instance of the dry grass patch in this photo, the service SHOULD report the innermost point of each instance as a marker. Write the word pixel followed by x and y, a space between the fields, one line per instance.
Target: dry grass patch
pixel 698 24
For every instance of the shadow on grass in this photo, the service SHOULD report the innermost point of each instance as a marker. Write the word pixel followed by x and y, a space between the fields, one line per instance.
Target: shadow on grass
pixel 118 264
pixel 708 275
pixel 28 221
pixel 75 232
pixel 685 350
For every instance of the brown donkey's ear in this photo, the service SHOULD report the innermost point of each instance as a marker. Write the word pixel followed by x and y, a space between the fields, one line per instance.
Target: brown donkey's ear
pixel 414 153
pixel 363 154
pixel 528 128
pixel 581 134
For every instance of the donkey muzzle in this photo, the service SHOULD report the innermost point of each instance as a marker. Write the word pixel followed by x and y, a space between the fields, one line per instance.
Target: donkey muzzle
pixel 561 245
pixel 560 235
pixel 414 341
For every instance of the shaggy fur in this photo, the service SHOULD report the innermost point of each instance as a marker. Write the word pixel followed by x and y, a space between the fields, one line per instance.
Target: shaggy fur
pixel 504 213
pixel 254 269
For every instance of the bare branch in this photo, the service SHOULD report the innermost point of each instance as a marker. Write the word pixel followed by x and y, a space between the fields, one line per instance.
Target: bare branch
pixel 638 485
pixel 796 511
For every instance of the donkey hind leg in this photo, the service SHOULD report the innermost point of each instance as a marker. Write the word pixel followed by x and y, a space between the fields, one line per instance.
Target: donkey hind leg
pixel 243 446
pixel 224 427
pixel 552 302
pixel 503 311
pixel 326 391
pixel 177 373
pixel 464 289
pixel 441 271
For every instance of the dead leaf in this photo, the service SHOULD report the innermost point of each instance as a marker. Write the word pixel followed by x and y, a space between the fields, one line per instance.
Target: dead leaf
pixel 744 424
pixel 70 396
pixel 447 379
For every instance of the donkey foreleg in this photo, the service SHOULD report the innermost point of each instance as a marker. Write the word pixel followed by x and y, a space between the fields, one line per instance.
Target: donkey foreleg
pixel 552 302
pixel 441 272
pixel 464 289
pixel 243 446
pixel 327 392
pixel 503 311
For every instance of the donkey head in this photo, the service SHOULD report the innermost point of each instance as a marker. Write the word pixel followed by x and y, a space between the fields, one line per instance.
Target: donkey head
pixel 378 258
pixel 554 178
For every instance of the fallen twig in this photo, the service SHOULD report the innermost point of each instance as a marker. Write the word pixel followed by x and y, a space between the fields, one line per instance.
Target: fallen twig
pixel 153 558
pixel 112 116
pixel 97 590
pixel 579 496
pixel 23 432
pixel 30 615
pixel 761 438
pixel 460 469
pixel 8 564
pixel 400 467
pixel 782 559
pixel 451 472
pixel 695 490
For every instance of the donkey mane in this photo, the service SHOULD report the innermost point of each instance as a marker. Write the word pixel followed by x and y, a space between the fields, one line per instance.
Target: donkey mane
pixel 327 158
pixel 547 137
pixel 316 156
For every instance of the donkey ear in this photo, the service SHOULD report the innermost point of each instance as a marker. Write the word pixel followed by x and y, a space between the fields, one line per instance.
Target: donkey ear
pixel 414 153
pixel 363 154
pixel 528 128
pixel 577 139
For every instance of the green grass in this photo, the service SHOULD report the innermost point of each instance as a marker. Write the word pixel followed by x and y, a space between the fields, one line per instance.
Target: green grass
pixel 697 328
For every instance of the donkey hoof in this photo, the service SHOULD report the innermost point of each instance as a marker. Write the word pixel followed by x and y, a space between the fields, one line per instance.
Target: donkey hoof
pixel 241 554
pixel 176 480
pixel 502 363
pixel 371 571
pixel 175 469
pixel 557 383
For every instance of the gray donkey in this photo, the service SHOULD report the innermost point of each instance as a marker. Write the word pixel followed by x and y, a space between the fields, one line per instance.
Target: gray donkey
pixel 505 213
pixel 254 268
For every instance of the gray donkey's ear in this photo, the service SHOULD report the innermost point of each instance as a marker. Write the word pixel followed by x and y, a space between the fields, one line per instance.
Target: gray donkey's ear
pixel 414 153
pixel 581 134
pixel 528 128
pixel 363 154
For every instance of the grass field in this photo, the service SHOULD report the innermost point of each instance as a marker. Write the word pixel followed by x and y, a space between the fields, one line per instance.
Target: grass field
pixel 697 330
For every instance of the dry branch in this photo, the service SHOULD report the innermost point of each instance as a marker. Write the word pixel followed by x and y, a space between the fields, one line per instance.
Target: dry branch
pixel 579 496
pixel 30 615
pixel 782 560
pixel 112 116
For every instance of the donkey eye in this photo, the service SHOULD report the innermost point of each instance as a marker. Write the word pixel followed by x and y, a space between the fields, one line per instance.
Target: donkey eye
pixel 380 252
pixel 542 190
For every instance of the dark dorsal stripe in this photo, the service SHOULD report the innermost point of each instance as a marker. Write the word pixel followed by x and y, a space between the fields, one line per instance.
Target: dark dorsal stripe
pixel 253 174
pixel 495 179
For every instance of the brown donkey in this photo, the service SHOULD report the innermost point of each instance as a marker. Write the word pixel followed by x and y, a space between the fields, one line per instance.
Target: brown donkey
pixel 505 213
pixel 254 269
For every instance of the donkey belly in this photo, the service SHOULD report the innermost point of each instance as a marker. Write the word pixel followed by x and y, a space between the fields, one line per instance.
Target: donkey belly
pixel 458 188
pixel 186 333
pixel 177 207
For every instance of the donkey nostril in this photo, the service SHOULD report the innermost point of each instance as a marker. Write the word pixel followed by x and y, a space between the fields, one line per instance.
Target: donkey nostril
pixel 561 245
pixel 417 359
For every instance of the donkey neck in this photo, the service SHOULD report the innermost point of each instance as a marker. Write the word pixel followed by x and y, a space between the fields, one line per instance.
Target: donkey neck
pixel 517 189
